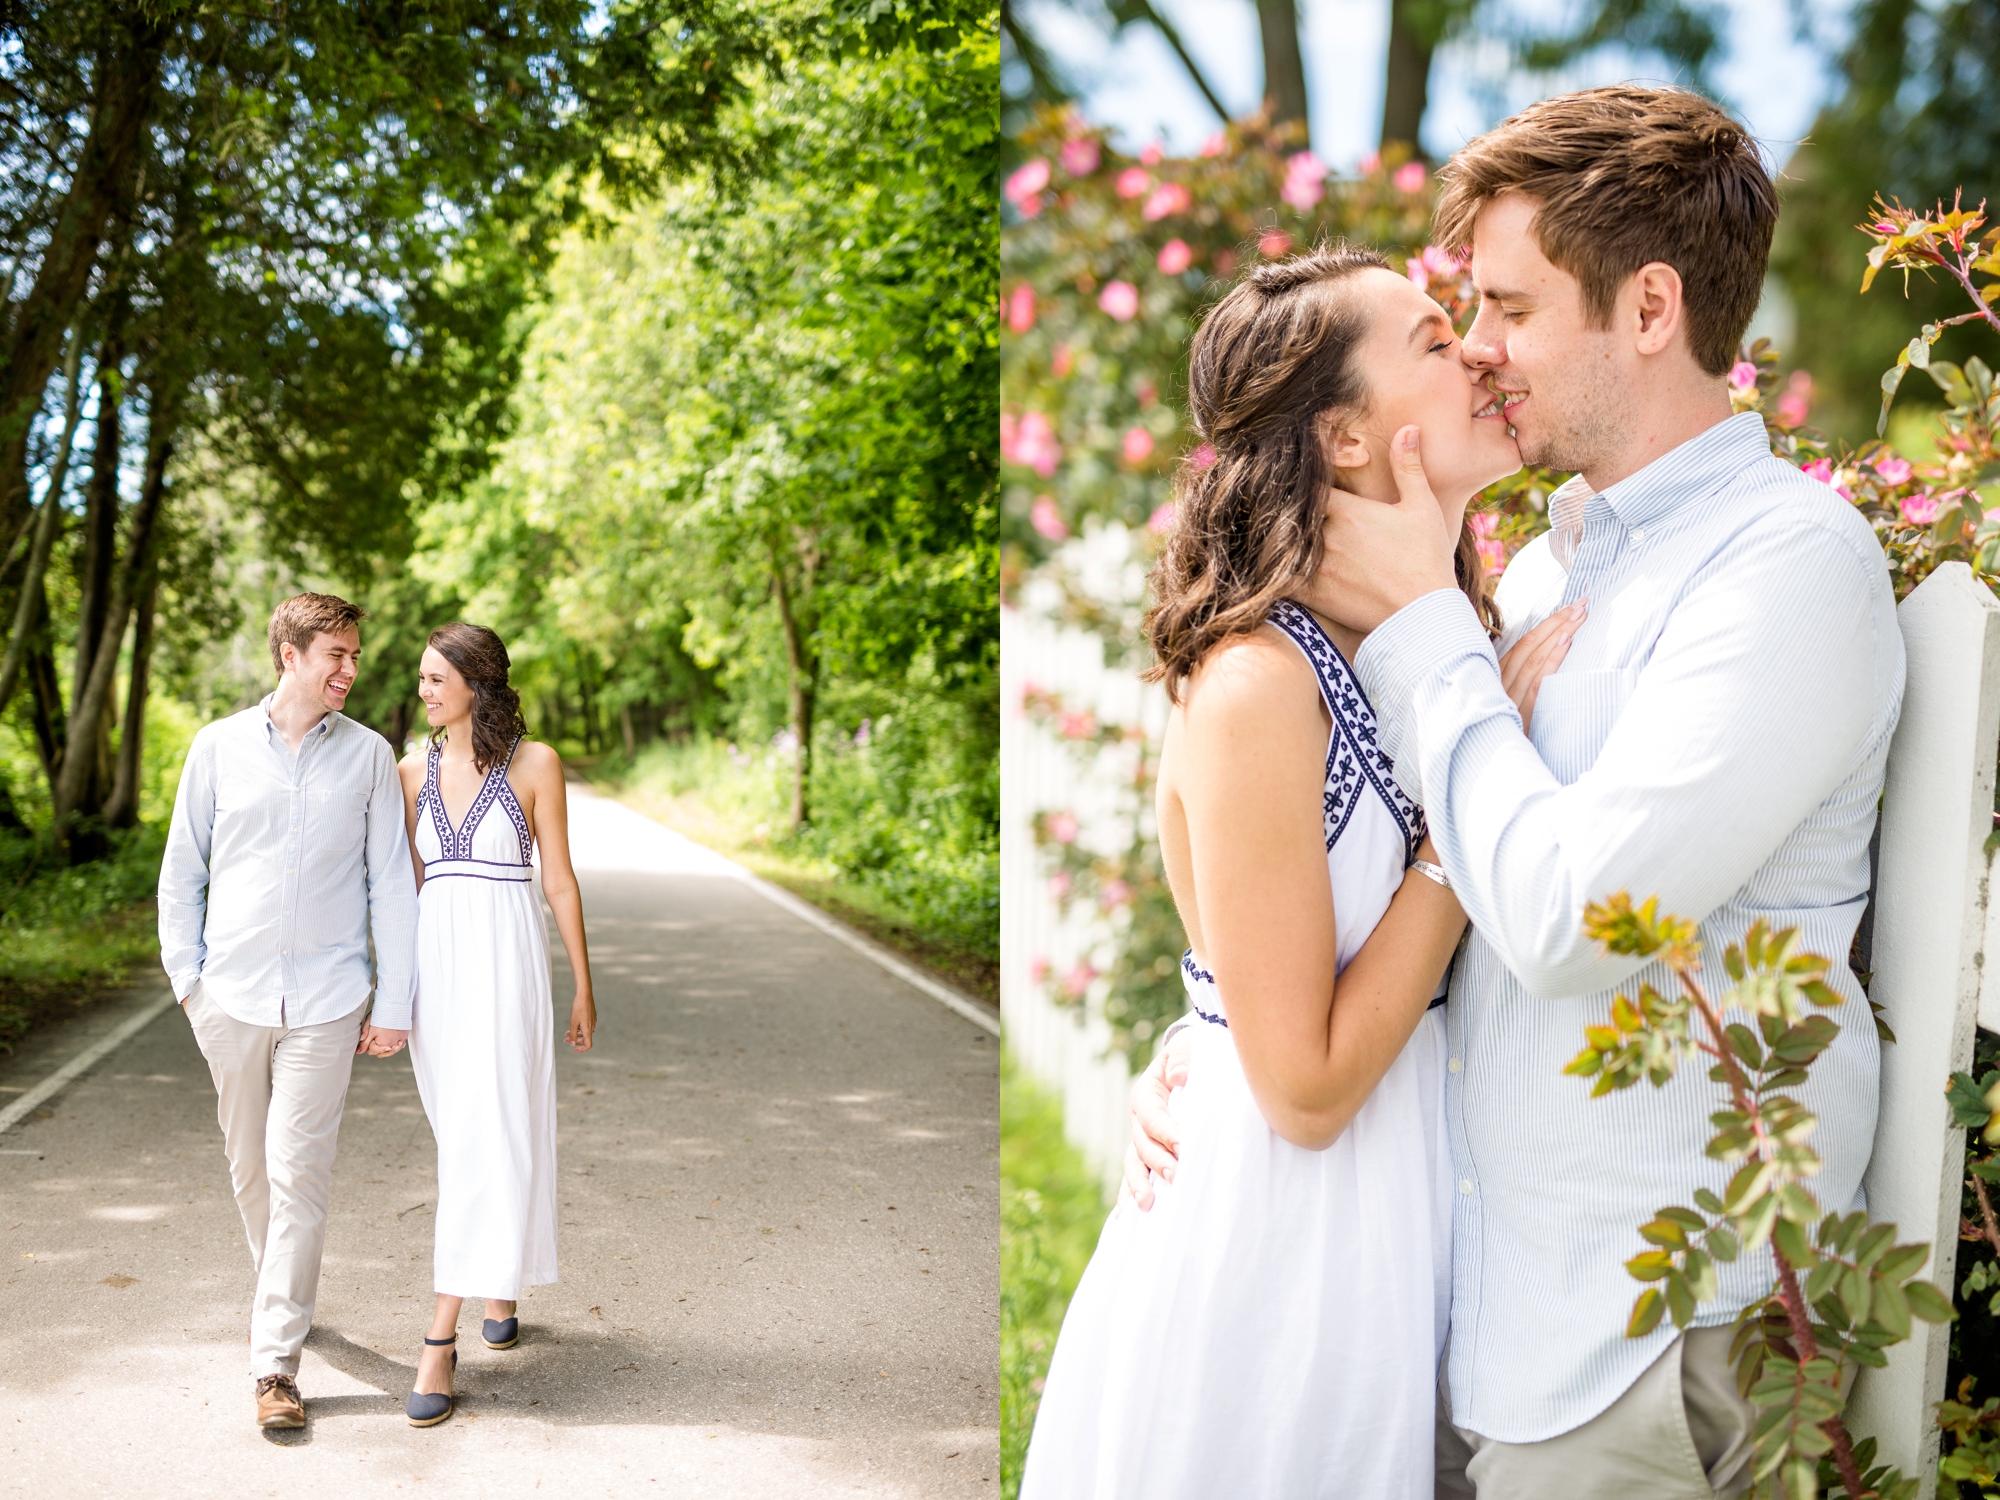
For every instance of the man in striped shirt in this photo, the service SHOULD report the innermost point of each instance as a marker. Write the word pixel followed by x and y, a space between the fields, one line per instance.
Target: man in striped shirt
pixel 285 856
pixel 1716 736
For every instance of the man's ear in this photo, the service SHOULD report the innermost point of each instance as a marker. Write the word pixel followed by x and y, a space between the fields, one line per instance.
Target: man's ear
pixel 288 657
pixel 1659 305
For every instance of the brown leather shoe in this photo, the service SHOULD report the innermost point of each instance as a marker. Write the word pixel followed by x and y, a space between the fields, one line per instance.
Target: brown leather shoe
pixel 279 1403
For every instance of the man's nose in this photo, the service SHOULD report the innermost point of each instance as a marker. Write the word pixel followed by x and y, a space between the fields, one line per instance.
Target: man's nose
pixel 1484 346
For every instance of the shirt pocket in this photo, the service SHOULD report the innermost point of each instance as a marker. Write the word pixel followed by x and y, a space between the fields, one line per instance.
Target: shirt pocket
pixel 1574 715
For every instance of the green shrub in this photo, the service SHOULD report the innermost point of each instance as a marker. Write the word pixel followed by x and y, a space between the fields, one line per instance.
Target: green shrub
pixel 1051 1209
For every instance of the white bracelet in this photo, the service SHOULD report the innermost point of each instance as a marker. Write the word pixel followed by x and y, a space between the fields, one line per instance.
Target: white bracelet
pixel 1431 872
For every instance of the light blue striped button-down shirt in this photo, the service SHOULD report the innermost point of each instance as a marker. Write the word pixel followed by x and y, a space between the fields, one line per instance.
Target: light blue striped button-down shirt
pixel 279 868
pixel 1716 737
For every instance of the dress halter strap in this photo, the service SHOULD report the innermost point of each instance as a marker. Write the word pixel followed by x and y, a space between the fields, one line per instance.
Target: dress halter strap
pixel 1354 760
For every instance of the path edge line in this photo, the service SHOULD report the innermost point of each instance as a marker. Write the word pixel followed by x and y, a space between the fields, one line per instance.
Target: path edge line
pixel 77 1066
pixel 805 911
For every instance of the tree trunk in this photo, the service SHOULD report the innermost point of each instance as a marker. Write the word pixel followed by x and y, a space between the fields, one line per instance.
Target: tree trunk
pixel 127 74
pixel 100 502
pixel 122 810
pixel 87 713
pixel 631 739
pixel 1284 69
pixel 1406 88
pixel 32 604
pixel 802 675
pixel 46 693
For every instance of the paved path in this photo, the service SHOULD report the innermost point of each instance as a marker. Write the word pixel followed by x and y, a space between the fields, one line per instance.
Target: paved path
pixel 779 1242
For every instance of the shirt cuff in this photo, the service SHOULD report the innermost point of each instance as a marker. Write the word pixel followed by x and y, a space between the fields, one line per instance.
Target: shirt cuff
pixel 184 983
pixel 1422 636
pixel 390 1015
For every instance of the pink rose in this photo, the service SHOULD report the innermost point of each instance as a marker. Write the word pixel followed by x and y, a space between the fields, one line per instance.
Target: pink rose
pixel 1080 157
pixel 1030 207
pixel 1076 983
pixel 1202 457
pixel 1493 556
pixel 1059 884
pixel 1893 470
pixel 1062 827
pixel 1921 508
pixel 1175 257
pixel 1078 724
pixel 1441 262
pixel 1796 402
pixel 1820 469
pixel 1168 198
pixel 1134 182
pixel 1483 523
pixel 1152 154
pixel 1419 277
pixel 1030 442
pixel 1410 177
pixel 1120 299
pixel 1138 445
pixel 1742 375
pixel 1026 181
pixel 1305 181
pixel 1038 969
pixel 1216 144
pixel 1275 244
pixel 1161 521
pixel 1369 165
pixel 1047 520
pixel 1061 362
pixel 1116 894
pixel 1021 309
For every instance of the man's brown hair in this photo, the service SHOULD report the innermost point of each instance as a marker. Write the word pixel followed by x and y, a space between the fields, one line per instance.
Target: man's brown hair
pixel 1625 176
pixel 304 616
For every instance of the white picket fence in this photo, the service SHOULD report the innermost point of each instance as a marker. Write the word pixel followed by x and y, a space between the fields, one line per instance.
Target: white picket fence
pixel 1933 926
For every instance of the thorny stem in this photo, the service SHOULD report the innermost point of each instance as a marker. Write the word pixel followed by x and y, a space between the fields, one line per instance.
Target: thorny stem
pixel 1789 1292
pixel 1986 1212
pixel 1979 302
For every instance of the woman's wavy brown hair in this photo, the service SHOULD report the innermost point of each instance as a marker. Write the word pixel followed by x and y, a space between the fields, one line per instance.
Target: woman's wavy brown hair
pixel 481 659
pixel 1267 366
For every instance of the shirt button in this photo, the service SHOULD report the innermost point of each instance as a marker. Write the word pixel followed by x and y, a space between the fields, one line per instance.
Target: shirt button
pixel 1639 535
pixel 1457 1064
pixel 1465 1185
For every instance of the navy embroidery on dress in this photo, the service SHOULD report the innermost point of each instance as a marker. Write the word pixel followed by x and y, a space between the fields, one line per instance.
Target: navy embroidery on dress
pixel 457 843
pixel 1353 756
pixel 1200 976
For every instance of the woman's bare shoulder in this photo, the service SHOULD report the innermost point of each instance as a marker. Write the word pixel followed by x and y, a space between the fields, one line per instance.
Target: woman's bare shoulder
pixel 533 758
pixel 1258 672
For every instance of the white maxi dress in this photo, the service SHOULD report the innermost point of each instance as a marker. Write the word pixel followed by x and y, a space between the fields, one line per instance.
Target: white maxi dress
pixel 1272 1327
pixel 482 1040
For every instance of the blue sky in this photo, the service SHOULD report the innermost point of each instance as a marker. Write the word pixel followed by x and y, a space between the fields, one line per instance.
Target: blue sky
pixel 1775 81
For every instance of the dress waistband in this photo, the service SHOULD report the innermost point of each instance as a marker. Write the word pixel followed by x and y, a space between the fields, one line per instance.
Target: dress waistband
pixel 1206 1000
pixel 478 869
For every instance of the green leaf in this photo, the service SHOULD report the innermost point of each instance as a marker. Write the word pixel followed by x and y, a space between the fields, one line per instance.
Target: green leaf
pixel 1646 1314
pixel 1968 1102
pixel 1928 1303
pixel 1649 1265
pixel 1664 1232
pixel 1680 1299
pixel 1791 1242
pixel 1892 1310
pixel 1744 1041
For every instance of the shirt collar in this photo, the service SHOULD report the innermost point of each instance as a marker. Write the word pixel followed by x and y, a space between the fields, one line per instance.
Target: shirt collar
pixel 1697 467
pixel 322 729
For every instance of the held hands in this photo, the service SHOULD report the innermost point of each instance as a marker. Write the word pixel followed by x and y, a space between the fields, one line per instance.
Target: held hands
pixel 1380 557
pixel 582 1021
pixel 381 1041
pixel 1156 1140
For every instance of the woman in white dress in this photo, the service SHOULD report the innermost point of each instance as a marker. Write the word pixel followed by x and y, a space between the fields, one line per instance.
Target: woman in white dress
pixel 480 798
pixel 1272 1327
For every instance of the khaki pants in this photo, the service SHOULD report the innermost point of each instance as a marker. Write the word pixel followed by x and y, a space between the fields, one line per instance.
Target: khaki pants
pixel 1680 1433
pixel 279 1092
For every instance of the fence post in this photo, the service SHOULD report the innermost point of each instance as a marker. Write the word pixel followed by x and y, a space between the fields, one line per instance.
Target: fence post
pixel 1929 932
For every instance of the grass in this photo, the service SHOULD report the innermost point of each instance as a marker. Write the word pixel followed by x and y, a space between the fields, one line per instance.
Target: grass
pixel 1051 1209
pixel 737 803
pixel 67 936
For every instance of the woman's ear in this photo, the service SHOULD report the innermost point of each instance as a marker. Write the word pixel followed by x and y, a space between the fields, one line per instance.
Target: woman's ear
pixel 1350 449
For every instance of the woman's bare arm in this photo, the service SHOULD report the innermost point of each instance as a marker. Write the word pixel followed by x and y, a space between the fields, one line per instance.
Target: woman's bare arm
pixel 1252 778
pixel 547 807
pixel 411 772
